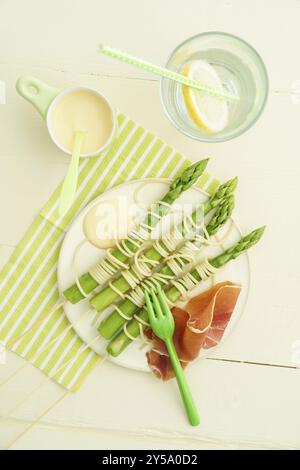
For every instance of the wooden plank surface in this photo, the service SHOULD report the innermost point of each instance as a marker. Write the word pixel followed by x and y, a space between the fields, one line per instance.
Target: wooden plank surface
pixel 248 389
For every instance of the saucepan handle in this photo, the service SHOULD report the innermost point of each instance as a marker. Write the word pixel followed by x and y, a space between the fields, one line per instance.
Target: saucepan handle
pixel 38 93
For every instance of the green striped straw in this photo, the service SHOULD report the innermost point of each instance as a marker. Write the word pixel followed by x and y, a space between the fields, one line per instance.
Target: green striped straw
pixel 163 72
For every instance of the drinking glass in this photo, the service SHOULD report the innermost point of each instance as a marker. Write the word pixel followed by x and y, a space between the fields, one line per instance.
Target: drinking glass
pixel 241 71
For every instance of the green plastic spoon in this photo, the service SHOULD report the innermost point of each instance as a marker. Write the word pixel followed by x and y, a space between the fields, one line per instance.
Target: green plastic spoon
pixel 70 182
pixel 162 324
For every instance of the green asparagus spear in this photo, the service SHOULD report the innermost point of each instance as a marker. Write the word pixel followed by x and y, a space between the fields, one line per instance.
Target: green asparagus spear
pixel 114 321
pixel 178 186
pixel 108 295
pixel 121 341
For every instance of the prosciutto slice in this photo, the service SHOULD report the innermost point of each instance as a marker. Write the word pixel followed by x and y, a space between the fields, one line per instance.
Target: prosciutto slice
pixel 201 324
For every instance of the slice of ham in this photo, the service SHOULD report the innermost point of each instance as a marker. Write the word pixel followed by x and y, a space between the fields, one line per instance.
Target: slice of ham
pixel 200 325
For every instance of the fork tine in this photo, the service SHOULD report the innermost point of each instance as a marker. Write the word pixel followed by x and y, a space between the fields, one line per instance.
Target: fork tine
pixel 156 305
pixel 163 302
pixel 151 314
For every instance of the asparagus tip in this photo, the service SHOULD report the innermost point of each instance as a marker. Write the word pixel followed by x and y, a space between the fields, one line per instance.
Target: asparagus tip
pixel 259 231
pixel 234 182
pixel 202 163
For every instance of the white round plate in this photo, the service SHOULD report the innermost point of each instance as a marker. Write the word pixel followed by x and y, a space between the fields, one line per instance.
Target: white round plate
pixel 150 190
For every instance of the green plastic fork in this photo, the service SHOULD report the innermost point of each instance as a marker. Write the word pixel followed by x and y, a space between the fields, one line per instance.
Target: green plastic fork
pixel 162 324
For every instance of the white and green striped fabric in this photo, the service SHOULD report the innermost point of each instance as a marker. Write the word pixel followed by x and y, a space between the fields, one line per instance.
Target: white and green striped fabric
pixel 28 283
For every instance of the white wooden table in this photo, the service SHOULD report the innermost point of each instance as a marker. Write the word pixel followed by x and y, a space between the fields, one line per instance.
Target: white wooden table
pixel 249 389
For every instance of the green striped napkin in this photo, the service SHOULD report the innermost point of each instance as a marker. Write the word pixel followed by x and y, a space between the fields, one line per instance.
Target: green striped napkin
pixel 28 283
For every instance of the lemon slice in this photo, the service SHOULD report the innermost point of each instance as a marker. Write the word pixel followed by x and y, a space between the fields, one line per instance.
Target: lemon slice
pixel 209 112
